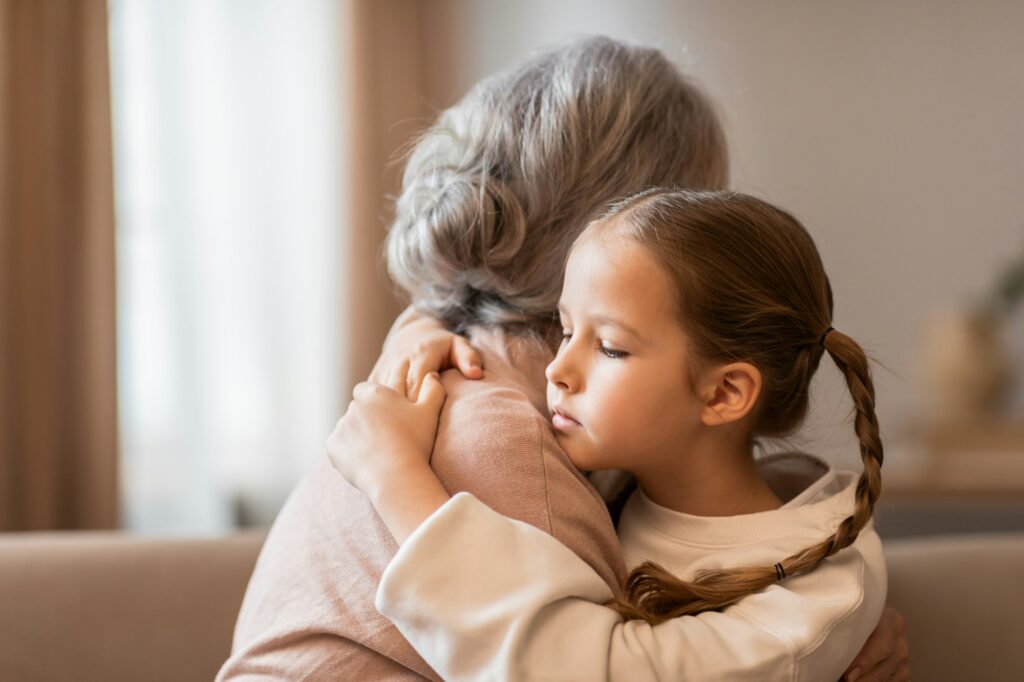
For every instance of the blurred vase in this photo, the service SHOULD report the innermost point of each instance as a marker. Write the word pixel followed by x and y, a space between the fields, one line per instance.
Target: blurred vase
pixel 966 368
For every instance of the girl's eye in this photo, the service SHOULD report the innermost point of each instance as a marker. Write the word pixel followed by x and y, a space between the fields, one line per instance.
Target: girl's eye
pixel 612 353
pixel 566 335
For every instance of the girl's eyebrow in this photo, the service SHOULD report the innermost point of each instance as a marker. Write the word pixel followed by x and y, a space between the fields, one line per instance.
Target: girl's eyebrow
pixel 607 320
pixel 613 322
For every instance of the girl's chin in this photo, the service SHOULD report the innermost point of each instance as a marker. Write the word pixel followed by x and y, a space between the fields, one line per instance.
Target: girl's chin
pixel 578 459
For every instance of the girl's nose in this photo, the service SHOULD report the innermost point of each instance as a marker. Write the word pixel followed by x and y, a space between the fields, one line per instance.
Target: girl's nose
pixel 561 374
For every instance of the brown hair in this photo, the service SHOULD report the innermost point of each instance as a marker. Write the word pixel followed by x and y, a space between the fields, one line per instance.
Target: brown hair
pixel 497 190
pixel 750 286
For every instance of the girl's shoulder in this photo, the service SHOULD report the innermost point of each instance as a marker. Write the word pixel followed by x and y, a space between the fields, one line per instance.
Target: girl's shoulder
pixel 686 543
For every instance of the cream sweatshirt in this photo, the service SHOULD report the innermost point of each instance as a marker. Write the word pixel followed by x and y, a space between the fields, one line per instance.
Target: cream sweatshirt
pixel 484 597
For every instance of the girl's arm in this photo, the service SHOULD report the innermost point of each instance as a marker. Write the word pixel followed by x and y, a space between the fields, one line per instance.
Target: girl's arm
pixel 386 420
pixel 383 437
pixel 448 611
pixel 483 597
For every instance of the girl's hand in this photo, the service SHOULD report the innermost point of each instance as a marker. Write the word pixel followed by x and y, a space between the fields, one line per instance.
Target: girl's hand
pixel 420 347
pixel 383 434
pixel 382 447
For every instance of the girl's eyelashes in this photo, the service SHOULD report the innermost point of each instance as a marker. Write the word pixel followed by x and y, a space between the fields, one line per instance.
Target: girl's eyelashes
pixel 605 350
pixel 612 353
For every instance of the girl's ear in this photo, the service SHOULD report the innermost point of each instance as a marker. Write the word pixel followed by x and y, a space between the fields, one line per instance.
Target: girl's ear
pixel 730 393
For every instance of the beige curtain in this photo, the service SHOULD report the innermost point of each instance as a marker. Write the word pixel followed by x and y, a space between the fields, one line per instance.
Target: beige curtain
pixel 384 85
pixel 58 430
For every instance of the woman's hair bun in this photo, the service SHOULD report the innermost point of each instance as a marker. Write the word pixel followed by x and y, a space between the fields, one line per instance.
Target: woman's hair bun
pixel 496 191
pixel 456 232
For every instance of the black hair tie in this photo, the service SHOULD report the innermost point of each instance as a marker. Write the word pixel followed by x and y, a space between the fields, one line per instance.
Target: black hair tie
pixel 821 341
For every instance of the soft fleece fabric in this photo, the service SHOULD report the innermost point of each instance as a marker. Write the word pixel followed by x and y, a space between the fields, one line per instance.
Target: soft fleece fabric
pixel 483 597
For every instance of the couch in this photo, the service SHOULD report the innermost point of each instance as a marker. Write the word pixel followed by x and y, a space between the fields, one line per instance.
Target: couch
pixel 110 606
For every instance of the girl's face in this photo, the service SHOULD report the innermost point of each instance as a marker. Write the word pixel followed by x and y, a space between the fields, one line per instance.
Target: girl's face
pixel 619 387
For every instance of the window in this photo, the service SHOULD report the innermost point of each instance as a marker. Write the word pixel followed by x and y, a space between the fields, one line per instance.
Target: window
pixel 228 188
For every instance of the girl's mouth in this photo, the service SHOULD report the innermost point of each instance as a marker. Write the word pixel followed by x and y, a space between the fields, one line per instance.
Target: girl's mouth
pixel 563 421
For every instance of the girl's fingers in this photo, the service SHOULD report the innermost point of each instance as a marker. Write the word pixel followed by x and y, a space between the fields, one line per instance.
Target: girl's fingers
pixel 396 378
pixel 432 393
pixel 363 390
pixel 466 358
pixel 419 367
pixel 366 391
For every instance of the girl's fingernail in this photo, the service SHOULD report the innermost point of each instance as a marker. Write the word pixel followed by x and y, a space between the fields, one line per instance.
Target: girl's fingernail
pixel 854 674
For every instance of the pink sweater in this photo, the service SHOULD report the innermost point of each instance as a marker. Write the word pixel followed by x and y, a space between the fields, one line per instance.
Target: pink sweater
pixel 309 609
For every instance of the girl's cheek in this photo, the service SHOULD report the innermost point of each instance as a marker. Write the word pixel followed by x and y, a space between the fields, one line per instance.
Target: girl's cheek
pixel 631 389
pixel 621 412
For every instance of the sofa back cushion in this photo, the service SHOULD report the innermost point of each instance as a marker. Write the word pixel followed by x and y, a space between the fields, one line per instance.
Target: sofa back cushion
pixel 963 598
pixel 112 606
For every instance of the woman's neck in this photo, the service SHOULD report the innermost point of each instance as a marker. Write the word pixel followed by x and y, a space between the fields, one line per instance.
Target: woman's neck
pixel 714 477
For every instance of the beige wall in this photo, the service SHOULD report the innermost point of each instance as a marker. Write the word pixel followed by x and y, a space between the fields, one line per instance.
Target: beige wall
pixel 893 130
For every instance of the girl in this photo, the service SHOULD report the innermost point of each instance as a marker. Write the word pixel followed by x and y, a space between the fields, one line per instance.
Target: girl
pixel 693 324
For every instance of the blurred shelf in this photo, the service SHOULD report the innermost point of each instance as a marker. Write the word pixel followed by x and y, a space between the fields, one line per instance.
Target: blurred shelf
pixel 980 434
pixel 916 516
pixel 976 458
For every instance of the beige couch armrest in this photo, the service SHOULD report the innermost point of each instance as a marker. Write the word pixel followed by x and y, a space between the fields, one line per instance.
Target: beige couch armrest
pixel 112 606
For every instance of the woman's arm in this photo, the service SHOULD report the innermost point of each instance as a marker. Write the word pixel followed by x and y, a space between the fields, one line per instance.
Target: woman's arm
pixel 886 654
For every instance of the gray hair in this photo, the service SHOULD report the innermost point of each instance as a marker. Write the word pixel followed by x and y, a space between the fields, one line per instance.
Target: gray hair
pixel 497 190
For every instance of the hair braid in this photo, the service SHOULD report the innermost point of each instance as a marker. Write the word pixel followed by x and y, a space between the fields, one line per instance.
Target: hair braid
pixel 853 363
pixel 654 594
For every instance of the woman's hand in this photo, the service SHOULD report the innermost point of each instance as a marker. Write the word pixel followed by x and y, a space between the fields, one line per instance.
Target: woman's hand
pixel 382 446
pixel 886 653
pixel 420 347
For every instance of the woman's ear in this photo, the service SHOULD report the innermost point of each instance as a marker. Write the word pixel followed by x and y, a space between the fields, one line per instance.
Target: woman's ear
pixel 730 393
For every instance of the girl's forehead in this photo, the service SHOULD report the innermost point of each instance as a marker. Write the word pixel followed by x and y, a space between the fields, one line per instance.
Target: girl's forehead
pixel 604 235
pixel 613 266
pixel 610 226
pixel 616 233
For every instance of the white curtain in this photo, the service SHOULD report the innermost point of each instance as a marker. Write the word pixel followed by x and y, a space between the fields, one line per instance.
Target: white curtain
pixel 229 186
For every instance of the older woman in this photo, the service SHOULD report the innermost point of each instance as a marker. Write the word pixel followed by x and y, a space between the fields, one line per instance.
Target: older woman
pixel 493 195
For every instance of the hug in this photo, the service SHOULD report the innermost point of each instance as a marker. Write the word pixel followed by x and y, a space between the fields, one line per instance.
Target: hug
pixel 576 496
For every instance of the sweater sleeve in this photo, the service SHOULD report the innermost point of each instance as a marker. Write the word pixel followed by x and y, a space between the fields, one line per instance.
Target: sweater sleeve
pixel 483 597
